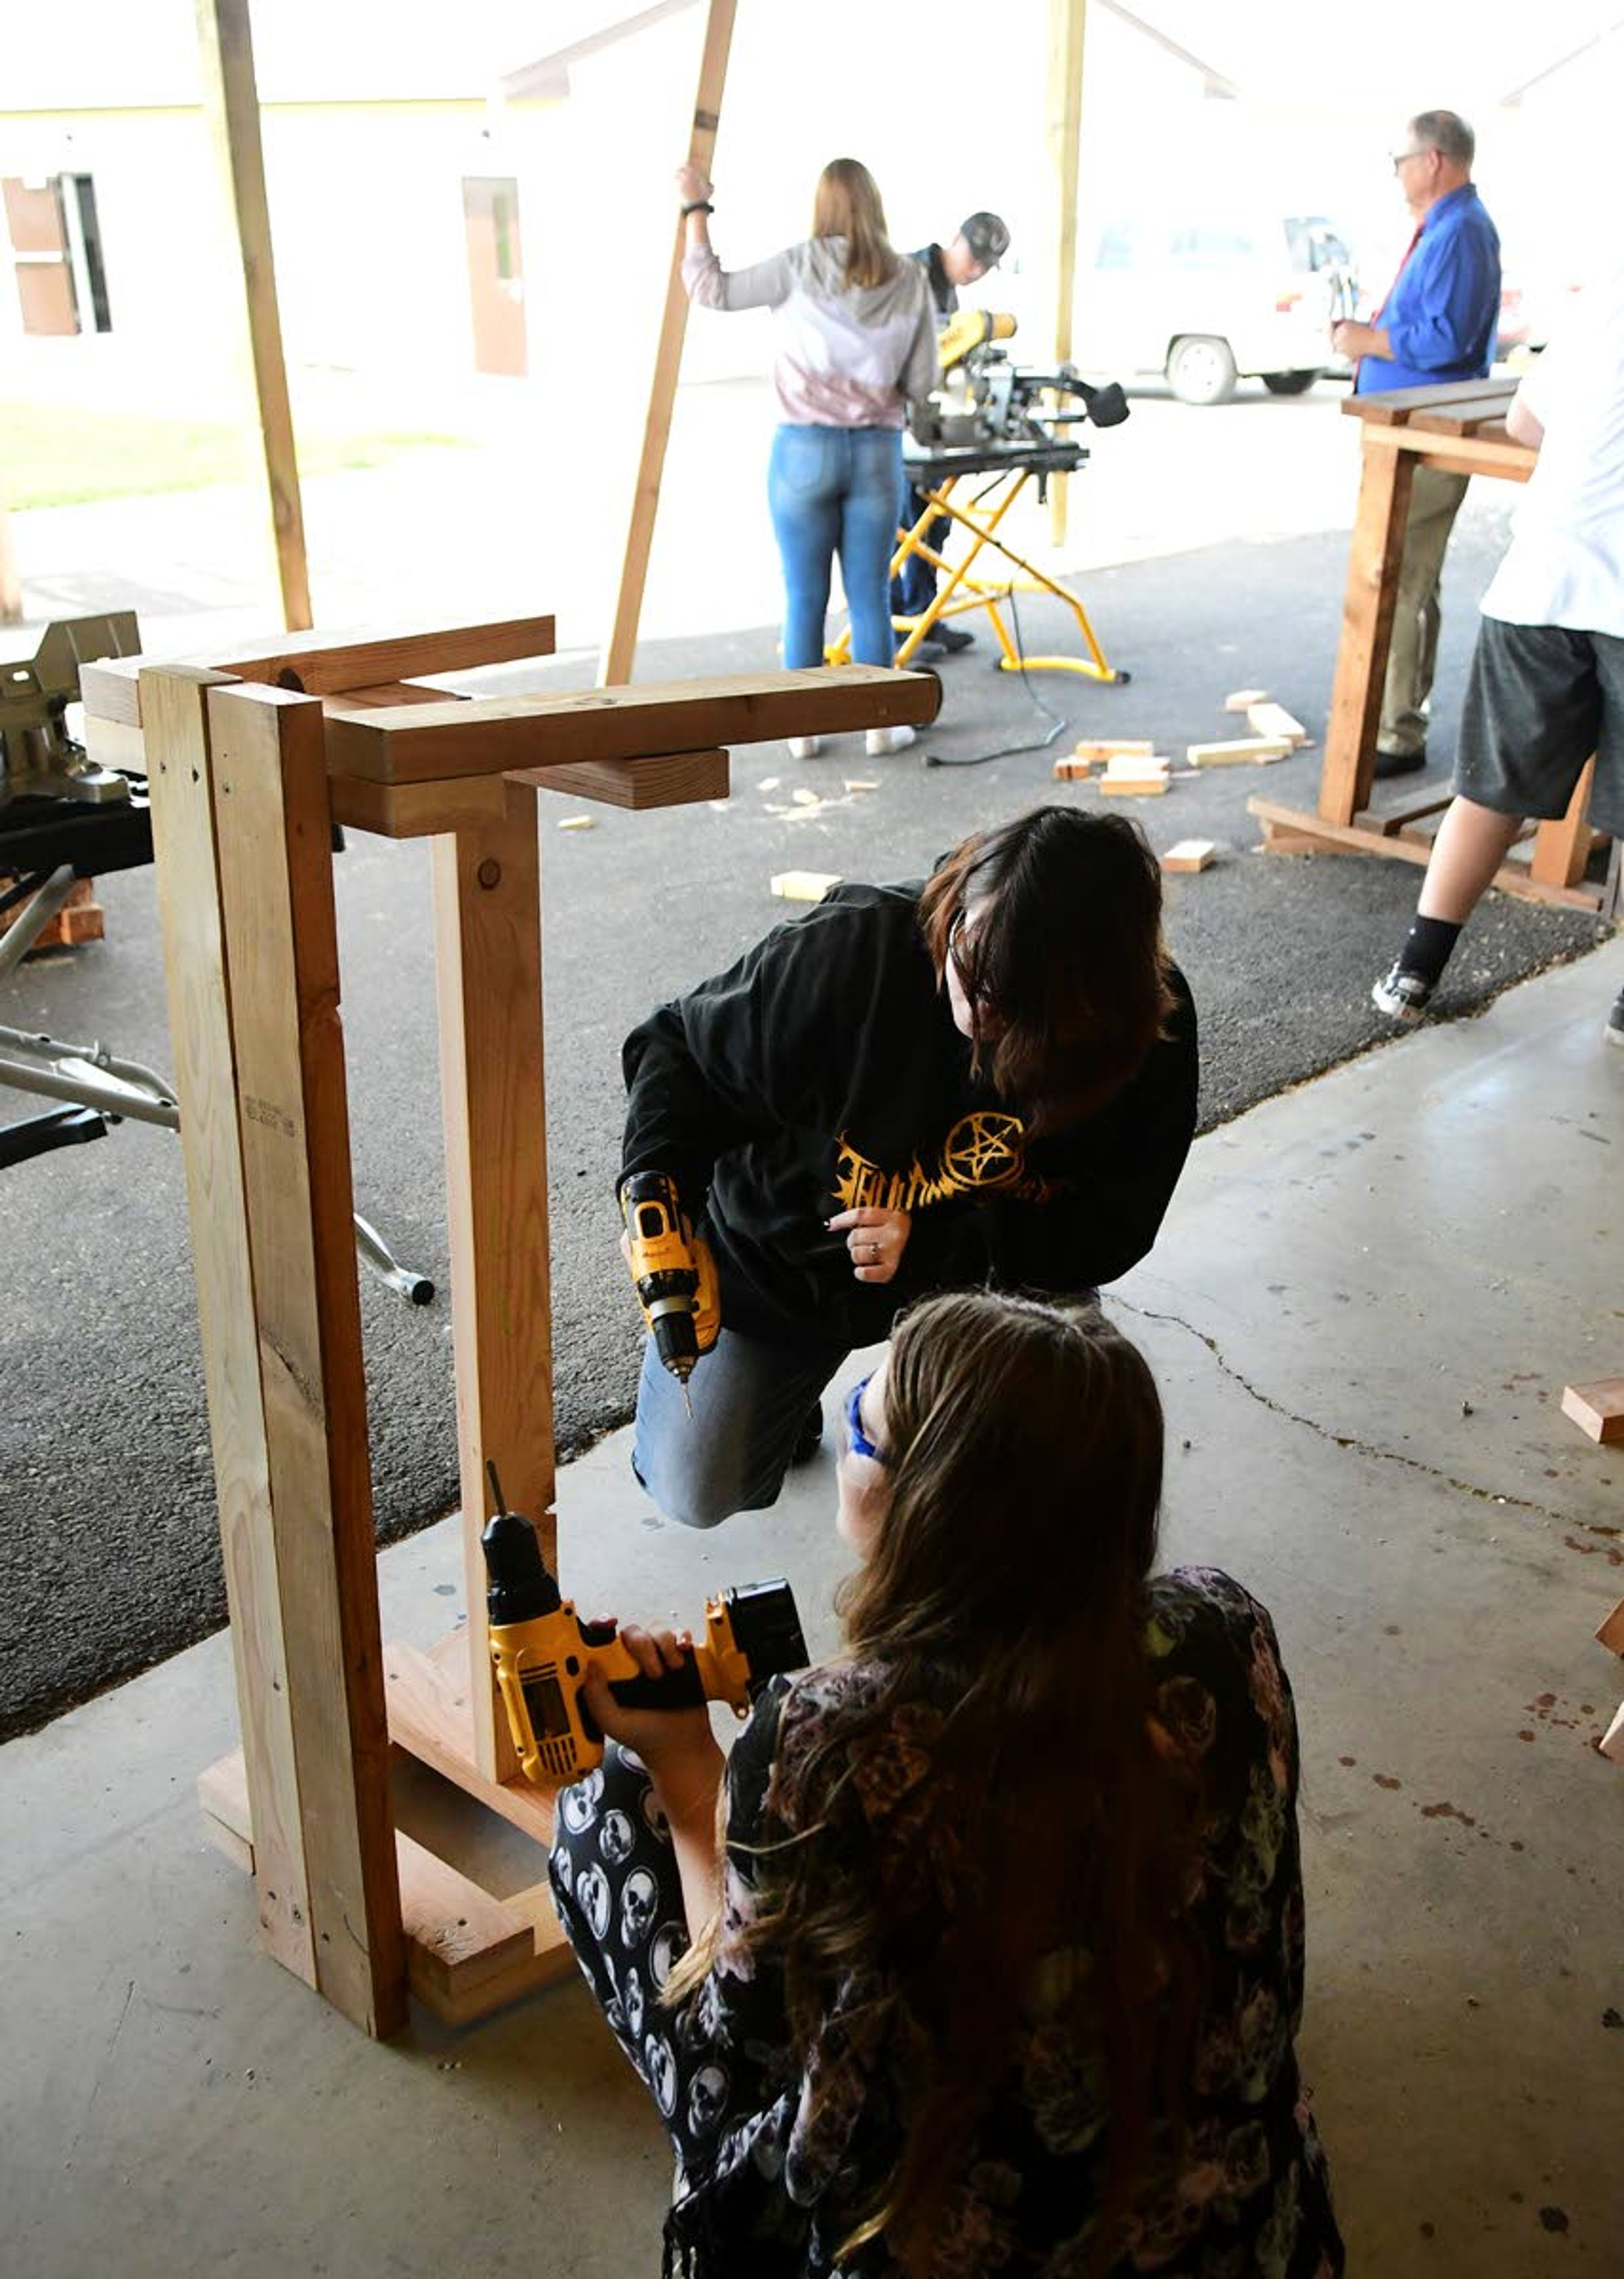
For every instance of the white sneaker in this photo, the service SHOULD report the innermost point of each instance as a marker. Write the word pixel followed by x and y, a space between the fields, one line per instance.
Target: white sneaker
pixel 805 747
pixel 878 741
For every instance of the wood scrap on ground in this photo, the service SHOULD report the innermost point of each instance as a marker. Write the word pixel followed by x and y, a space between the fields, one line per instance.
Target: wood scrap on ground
pixel 1241 700
pixel 1111 747
pixel 1135 776
pixel 1189 855
pixel 1274 720
pixel 1236 751
pixel 1597 1409
pixel 804 886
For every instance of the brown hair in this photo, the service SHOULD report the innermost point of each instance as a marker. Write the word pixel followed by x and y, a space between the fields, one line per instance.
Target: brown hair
pixel 1067 953
pixel 1005 1589
pixel 848 204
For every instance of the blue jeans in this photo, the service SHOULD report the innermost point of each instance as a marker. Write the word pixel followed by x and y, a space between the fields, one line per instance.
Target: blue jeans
pixel 913 589
pixel 750 1399
pixel 835 490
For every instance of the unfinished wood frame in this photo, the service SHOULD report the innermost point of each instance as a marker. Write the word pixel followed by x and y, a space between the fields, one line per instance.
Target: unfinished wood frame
pixel 247 779
pixel 1462 427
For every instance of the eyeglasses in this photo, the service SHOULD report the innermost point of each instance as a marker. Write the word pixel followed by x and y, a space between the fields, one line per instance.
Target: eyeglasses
pixel 1403 157
pixel 857 1439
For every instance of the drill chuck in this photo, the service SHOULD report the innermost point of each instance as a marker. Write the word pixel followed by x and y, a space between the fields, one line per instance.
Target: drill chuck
pixel 519 1585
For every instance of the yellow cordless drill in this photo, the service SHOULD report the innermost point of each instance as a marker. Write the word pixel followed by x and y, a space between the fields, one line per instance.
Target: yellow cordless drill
pixel 543 1653
pixel 674 1271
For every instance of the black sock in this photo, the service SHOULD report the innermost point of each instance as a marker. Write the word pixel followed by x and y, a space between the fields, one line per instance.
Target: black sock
pixel 1427 948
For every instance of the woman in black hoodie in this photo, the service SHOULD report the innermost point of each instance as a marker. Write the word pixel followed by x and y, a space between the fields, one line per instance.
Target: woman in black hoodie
pixel 988 1077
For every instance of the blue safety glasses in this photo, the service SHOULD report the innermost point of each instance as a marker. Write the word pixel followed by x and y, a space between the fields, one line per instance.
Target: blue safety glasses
pixel 857 1439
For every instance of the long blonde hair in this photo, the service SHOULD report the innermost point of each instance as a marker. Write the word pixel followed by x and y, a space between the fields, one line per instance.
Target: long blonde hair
pixel 1024 1443
pixel 848 204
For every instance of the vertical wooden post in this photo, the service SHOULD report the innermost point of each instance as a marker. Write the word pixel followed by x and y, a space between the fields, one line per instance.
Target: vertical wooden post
pixel 487 929
pixel 1066 18
pixel 181 779
pixel 231 98
pixel 282 1328
pixel 621 647
pixel 1386 480
pixel 10 584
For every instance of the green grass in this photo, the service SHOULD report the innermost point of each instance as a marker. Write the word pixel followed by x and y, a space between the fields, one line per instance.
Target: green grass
pixel 59 456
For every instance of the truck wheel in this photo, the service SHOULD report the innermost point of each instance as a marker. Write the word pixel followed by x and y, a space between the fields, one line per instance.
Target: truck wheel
pixel 1201 369
pixel 1289 383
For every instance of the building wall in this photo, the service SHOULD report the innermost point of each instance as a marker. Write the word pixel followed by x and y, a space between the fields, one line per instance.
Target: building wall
pixel 367 229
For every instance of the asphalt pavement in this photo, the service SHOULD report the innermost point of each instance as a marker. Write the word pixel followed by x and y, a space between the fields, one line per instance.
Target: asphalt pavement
pixel 109 1556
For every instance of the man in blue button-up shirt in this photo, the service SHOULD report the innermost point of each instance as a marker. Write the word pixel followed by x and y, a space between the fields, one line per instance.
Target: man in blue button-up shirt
pixel 1437 323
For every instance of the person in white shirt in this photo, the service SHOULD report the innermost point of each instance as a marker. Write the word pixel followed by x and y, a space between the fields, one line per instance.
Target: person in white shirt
pixel 855 342
pixel 1547 681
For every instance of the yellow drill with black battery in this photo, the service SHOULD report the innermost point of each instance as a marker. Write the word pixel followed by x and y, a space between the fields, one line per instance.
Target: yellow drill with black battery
pixel 544 1652
pixel 674 1272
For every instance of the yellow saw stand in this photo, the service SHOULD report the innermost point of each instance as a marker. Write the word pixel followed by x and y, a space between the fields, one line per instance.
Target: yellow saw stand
pixel 937 478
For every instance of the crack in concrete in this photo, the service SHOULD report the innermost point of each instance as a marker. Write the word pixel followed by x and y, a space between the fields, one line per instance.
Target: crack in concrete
pixel 1350 1441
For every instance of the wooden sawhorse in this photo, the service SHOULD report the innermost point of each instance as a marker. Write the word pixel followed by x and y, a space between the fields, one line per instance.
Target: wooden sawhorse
pixel 1460 426
pixel 250 758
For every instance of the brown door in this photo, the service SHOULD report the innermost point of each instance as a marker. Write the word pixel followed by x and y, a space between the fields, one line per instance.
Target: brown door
pixel 495 273
pixel 40 250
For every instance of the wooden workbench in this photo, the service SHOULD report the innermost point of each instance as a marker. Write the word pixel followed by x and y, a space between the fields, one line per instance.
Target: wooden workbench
pixel 251 755
pixel 1460 426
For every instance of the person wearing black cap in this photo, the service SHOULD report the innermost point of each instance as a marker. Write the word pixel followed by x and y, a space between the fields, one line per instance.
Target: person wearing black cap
pixel 981 241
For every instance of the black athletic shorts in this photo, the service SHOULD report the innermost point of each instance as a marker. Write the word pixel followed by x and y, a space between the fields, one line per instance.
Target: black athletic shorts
pixel 1539 700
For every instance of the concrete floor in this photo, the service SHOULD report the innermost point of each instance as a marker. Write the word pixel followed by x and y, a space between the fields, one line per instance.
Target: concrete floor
pixel 1362 1315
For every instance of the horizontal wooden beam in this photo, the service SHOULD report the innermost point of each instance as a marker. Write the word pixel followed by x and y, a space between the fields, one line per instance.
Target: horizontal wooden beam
pixel 430 1717
pixel 1460 455
pixel 468 1952
pixel 507 735
pixel 1395 405
pixel 1299 830
pixel 416 811
pixel 329 663
pixel 664 779
pixel 1459 419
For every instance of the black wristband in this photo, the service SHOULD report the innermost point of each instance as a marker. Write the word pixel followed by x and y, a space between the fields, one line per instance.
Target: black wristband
pixel 699 206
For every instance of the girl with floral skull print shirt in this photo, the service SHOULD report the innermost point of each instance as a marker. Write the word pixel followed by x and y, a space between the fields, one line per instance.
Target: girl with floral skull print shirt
pixel 998 1965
